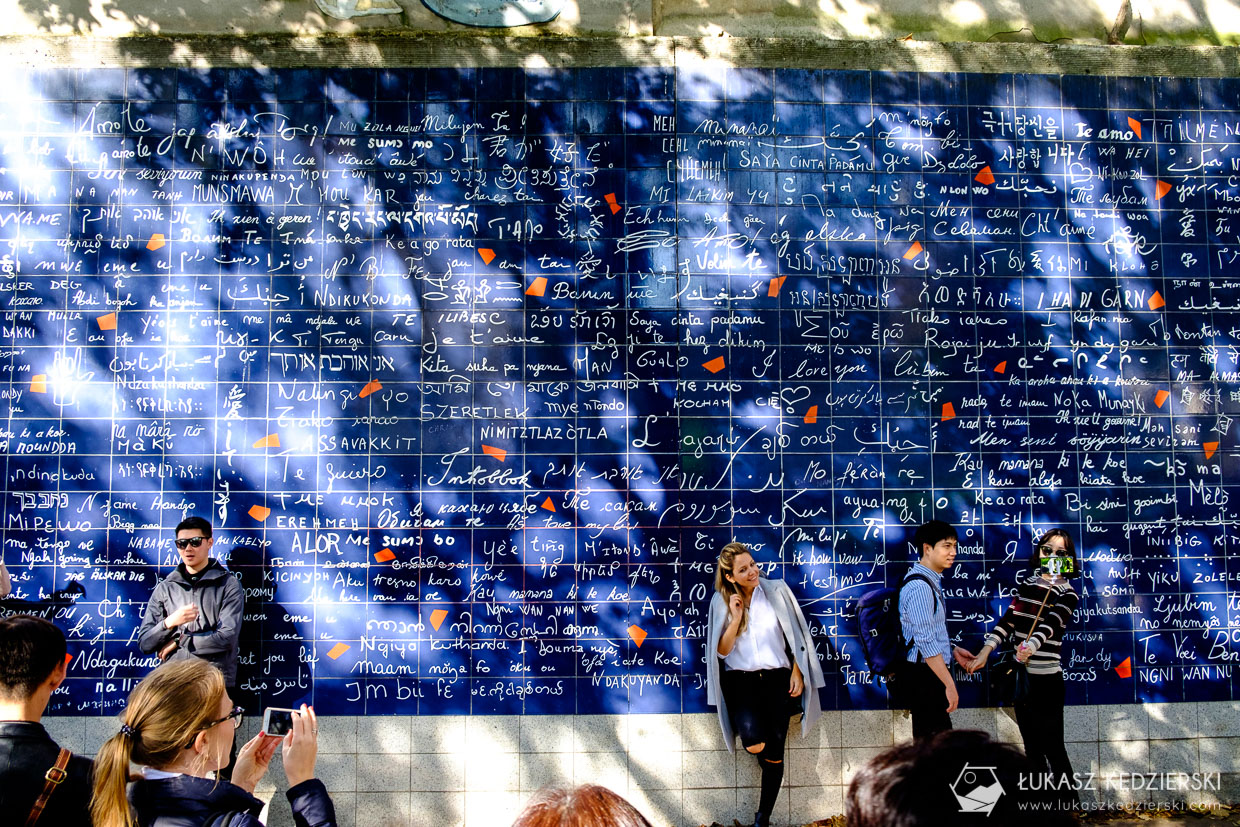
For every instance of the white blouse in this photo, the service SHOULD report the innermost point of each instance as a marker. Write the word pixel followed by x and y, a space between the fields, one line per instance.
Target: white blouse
pixel 761 645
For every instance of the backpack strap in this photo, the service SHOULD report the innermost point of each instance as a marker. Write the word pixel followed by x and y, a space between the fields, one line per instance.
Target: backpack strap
pixel 934 594
pixel 55 776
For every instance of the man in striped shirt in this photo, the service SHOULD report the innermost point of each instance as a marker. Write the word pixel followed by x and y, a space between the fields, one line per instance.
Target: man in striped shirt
pixel 925 684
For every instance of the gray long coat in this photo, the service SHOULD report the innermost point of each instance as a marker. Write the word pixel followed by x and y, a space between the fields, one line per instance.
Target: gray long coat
pixel 796 635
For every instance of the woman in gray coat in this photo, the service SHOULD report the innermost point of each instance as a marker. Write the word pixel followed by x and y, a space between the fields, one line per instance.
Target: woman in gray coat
pixel 760 657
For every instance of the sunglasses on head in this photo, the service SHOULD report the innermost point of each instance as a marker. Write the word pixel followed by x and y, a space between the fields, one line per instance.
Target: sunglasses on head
pixel 191 541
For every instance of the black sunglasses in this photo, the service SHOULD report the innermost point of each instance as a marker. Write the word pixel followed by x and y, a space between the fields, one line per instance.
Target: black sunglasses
pixel 191 541
pixel 235 716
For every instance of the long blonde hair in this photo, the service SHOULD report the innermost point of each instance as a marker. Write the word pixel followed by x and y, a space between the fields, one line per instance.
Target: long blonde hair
pixel 164 713
pixel 727 560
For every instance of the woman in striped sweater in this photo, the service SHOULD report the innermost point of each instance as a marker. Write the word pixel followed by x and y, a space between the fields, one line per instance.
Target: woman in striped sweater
pixel 1040 716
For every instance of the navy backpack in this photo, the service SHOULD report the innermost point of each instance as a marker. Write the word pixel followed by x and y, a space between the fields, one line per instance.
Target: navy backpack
pixel 879 629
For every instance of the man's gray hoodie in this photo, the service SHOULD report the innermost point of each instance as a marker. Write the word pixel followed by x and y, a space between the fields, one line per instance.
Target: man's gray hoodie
pixel 215 636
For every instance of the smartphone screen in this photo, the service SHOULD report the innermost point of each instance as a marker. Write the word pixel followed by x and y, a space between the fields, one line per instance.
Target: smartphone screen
pixel 277 721
pixel 1058 565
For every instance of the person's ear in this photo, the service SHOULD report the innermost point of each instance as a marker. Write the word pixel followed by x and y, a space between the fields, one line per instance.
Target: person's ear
pixel 201 744
pixel 729 578
pixel 58 675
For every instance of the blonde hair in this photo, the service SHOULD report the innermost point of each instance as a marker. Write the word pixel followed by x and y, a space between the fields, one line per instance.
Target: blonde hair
pixel 164 713
pixel 727 560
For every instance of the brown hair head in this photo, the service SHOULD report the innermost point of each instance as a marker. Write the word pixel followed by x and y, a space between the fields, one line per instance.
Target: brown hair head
pixel 586 806
pixel 726 564
pixel 164 714
pixel 31 649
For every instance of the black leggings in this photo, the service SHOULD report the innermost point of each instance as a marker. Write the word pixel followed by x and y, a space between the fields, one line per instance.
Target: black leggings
pixel 1040 718
pixel 759 708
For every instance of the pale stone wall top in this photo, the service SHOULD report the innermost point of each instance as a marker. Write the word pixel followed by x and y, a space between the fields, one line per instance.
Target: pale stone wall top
pixel 1080 21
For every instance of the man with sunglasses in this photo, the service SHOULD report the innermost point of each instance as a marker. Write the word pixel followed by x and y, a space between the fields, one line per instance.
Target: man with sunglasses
pixel 195 612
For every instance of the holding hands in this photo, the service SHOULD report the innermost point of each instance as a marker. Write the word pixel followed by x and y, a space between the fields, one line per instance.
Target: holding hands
pixel 979 661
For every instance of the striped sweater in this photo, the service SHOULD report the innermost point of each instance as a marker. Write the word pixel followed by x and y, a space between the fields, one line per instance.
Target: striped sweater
pixel 1047 638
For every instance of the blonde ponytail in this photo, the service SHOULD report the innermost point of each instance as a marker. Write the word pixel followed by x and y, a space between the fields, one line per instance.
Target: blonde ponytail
pixel 164 713
pixel 726 563
pixel 108 806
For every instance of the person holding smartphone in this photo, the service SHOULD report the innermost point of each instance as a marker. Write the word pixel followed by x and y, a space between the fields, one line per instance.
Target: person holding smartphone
pixel 196 611
pixel 178 726
pixel 760 663
pixel 1038 639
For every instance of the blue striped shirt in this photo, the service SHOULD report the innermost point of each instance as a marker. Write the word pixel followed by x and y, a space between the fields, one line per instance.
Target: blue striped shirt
pixel 920 621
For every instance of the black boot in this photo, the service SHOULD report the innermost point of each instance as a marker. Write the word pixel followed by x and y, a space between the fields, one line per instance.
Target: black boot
pixel 761 819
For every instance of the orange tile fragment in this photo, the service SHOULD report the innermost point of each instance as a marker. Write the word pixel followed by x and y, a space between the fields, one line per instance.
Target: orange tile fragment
pixel 491 451
pixel 384 554
pixel 776 285
pixel 538 288
pixel 259 513
pixel 549 505
pixel 38 383
pixel 107 322
pixel 157 241
pixel 1161 397
pixel 638 634
pixel 1001 367
pixel 488 255
pixel 714 365
pixel 811 416
pixel 338 650
pixel 949 411
pixel 370 387
pixel 1161 189
pixel 438 617
pixel 1124 670
pixel 914 251
pixel 269 441
pixel 1210 448
pixel 1156 301
pixel 985 176
pixel 1135 126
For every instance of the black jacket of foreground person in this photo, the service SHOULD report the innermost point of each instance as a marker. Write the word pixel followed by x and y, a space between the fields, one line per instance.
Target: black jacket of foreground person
pixel 187 801
pixel 26 753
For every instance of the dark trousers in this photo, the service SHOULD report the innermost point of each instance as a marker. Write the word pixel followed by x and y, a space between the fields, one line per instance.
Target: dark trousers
pixel 759 708
pixel 916 688
pixel 1040 717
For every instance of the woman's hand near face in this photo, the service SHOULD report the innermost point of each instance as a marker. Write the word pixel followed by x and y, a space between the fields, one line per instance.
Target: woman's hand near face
pixel 253 759
pixel 736 608
pixel 301 746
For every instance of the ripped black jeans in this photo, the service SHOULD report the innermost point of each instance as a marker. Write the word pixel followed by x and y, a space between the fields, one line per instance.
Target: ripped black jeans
pixel 759 708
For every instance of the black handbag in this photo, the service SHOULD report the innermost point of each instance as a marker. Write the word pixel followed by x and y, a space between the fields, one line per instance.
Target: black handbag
pixel 1009 679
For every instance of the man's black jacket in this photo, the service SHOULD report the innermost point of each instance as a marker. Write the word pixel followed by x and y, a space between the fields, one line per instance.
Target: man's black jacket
pixel 26 754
